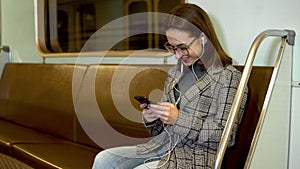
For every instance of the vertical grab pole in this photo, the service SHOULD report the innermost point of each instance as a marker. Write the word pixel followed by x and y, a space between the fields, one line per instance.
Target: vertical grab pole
pixel 241 88
pixel 263 112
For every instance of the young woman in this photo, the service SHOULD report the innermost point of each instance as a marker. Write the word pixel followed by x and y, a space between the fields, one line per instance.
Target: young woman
pixel 188 122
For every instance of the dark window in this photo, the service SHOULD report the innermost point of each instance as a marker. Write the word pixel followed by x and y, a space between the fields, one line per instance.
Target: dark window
pixel 68 24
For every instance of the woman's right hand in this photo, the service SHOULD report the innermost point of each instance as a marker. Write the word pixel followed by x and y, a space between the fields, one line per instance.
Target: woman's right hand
pixel 149 116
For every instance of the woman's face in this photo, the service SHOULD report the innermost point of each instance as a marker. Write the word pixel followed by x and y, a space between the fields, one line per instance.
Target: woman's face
pixel 181 39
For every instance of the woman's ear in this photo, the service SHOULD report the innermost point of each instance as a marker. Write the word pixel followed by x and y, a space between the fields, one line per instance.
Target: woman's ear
pixel 203 38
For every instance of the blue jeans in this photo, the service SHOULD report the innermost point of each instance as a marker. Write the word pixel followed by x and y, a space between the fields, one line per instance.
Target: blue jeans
pixel 124 158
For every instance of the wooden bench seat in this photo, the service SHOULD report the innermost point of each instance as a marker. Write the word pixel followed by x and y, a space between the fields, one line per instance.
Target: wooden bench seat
pixel 48 112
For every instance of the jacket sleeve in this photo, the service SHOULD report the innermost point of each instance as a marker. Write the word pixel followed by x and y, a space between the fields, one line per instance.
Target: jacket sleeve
pixel 157 126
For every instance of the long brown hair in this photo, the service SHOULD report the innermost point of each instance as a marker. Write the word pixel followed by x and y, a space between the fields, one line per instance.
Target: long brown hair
pixel 195 20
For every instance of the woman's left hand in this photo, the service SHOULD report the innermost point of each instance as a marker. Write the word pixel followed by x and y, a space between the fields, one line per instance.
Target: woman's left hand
pixel 167 112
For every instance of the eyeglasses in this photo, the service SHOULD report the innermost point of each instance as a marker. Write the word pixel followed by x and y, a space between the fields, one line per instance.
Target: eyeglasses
pixel 183 49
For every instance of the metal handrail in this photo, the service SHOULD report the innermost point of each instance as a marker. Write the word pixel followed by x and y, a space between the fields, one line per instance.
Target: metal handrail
pixel 287 36
pixel 4 49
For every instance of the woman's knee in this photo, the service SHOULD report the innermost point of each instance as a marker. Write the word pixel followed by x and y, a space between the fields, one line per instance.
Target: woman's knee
pixel 110 158
pixel 103 159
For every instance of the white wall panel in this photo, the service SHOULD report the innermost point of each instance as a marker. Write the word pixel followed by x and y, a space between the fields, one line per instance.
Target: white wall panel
pixel 294 162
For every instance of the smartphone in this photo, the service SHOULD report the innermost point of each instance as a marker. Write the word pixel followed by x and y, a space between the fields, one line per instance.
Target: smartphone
pixel 142 99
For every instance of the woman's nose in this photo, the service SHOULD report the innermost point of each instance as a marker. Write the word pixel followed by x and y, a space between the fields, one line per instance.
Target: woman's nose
pixel 178 55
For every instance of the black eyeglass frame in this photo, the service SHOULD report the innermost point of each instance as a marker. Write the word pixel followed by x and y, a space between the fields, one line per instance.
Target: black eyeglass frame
pixel 183 49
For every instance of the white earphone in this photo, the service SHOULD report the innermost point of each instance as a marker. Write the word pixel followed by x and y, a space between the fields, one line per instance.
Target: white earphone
pixel 203 40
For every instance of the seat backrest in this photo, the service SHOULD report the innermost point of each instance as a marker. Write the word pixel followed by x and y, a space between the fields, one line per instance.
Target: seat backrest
pixel 39 96
pixel 112 89
pixel 235 157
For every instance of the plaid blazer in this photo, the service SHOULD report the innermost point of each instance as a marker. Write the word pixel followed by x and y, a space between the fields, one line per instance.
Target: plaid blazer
pixel 192 141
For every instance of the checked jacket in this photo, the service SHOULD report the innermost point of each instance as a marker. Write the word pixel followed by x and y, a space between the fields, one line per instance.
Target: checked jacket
pixel 192 141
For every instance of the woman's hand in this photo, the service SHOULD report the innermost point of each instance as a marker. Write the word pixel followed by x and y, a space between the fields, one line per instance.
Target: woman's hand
pixel 147 113
pixel 165 111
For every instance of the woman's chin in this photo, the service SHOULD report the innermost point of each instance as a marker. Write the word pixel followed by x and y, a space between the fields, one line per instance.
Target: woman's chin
pixel 187 62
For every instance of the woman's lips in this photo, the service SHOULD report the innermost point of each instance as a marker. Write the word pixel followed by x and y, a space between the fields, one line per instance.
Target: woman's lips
pixel 185 59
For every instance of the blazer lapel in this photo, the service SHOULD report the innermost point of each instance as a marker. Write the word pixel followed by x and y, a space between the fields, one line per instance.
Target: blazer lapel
pixel 206 82
pixel 197 89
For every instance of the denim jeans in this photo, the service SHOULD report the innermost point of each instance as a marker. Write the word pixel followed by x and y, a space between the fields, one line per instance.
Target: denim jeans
pixel 124 158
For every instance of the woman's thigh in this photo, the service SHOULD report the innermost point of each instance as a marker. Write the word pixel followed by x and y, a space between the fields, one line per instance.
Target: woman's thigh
pixel 119 157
